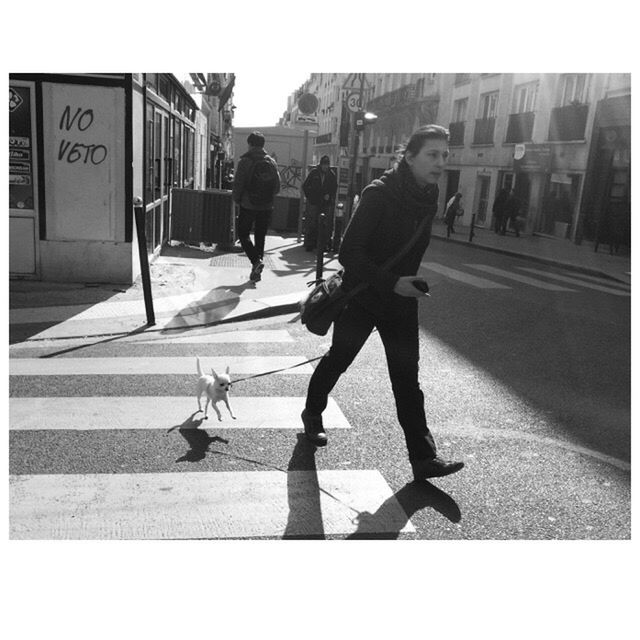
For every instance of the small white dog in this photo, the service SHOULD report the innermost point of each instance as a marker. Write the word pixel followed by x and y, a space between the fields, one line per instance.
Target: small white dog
pixel 216 388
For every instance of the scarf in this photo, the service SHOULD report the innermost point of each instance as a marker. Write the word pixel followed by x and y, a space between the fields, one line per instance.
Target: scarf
pixel 413 199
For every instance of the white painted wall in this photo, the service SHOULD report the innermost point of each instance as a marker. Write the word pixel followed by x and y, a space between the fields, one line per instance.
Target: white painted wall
pixel 84 162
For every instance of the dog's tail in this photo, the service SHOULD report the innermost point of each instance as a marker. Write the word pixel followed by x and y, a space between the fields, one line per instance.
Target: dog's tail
pixel 199 367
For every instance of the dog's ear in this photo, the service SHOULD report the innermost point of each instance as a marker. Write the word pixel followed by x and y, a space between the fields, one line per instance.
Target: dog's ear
pixel 215 375
pixel 227 370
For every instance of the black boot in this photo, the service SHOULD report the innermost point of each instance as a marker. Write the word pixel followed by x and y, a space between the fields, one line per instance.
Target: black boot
pixel 313 429
pixel 434 468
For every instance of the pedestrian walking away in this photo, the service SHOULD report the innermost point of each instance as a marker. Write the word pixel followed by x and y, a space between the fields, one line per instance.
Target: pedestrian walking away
pixel 499 210
pixel 320 189
pixel 255 184
pixel 389 212
pixel 454 209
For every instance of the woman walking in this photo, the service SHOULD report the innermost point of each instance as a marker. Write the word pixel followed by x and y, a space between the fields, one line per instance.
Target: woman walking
pixel 388 215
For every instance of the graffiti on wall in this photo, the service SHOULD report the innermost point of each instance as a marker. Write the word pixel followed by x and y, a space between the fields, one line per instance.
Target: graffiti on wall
pixel 73 152
pixel 290 178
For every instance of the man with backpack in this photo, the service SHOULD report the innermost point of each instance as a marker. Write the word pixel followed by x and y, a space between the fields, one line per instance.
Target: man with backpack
pixel 255 185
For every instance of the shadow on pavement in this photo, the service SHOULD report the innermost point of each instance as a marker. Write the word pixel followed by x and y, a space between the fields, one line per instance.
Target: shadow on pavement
pixel 198 439
pixel 305 513
pixel 413 497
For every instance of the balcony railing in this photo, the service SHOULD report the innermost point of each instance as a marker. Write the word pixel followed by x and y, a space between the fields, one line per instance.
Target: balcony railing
pixel 569 122
pixel 456 134
pixel 398 98
pixel 483 133
pixel 520 127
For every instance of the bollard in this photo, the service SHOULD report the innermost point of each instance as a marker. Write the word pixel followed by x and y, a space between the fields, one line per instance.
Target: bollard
pixel 138 206
pixel 473 223
pixel 322 223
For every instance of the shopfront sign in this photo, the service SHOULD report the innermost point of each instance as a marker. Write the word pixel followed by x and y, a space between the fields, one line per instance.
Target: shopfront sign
pixel 536 159
pixel 20 159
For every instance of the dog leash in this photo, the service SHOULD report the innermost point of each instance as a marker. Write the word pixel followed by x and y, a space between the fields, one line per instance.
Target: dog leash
pixel 268 373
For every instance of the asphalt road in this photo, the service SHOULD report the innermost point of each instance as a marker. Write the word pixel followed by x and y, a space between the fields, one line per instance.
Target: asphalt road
pixel 529 386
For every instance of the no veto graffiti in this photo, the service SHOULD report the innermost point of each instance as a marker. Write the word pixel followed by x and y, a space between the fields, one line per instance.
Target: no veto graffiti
pixel 73 152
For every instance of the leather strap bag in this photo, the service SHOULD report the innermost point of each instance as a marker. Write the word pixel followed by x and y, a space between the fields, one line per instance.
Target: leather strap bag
pixel 327 300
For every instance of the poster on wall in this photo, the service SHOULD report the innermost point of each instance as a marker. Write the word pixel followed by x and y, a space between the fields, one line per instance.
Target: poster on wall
pixel 84 161
pixel 20 149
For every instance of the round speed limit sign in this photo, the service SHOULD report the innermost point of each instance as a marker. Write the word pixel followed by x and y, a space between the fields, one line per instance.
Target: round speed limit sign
pixel 353 102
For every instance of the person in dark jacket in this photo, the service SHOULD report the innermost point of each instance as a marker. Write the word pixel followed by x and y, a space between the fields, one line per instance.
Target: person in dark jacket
pixel 454 209
pixel 512 211
pixel 386 218
pixel 253 214
pixel 499 210
pixel 320 189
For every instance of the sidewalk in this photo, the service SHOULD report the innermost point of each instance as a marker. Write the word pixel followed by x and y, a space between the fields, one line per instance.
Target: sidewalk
pixel 194 287
pixel 549 250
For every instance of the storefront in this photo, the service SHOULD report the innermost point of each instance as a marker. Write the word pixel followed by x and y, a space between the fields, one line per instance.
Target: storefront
pixel 80 148
pixel 606 207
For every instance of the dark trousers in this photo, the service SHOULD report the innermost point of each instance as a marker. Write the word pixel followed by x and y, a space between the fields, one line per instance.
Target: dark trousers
pixel 246 221
pixel 399 334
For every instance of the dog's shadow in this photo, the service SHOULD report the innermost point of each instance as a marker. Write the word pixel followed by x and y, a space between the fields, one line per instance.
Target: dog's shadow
pixel 198 439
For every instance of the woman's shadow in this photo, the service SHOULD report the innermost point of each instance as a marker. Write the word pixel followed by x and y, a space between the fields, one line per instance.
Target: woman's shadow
pixel 198 439
pixel 305 512
pixel 388 521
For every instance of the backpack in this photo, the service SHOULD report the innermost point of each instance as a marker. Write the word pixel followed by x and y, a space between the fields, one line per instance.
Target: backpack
pixel 263 182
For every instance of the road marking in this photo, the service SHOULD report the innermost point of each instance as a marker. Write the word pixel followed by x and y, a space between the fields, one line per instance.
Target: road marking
pixel 154 365
pixel 241 337
pixel 202 505
pixel 156 412
pixel 569 280
pixel 603 281
pixel 467 278
pixel 194 337
pixel 518 278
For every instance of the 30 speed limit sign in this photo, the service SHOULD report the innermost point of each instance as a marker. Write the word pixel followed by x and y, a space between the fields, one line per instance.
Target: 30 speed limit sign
pixel 353 102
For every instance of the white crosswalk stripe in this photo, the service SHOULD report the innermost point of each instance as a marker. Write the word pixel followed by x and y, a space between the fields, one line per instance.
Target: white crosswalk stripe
pixel 224 504
pixel 518 278
pixel 154 365
pixel 202 505
pixel 461 276
pixel 576 281
pixel 153 412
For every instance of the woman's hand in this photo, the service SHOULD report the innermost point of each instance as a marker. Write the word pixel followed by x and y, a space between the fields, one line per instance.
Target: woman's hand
pixel 405 287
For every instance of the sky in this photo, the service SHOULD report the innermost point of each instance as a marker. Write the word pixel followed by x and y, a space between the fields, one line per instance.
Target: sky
pixel 260 98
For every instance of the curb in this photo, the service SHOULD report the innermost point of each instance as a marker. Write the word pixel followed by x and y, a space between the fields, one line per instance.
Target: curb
pixel 541 259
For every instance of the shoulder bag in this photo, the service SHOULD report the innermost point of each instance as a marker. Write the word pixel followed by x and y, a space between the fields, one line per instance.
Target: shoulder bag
pixel 326 301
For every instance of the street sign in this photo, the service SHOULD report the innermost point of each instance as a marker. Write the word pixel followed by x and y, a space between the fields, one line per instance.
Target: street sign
pixel 353 102
pixel 308 103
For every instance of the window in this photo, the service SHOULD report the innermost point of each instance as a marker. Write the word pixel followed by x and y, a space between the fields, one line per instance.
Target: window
pixel 488 105
pixel 525 98
pixel 574 89
pixel 460 110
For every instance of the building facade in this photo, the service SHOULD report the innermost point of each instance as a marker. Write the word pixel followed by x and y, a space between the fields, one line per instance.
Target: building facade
pixel 560 141
pixel 81 147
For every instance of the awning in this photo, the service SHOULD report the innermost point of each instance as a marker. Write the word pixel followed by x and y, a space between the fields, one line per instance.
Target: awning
pixel 226 92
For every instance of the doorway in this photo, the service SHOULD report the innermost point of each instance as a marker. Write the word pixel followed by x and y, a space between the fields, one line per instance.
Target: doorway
pixel 158 183
pixel 453 182
pixel 481 204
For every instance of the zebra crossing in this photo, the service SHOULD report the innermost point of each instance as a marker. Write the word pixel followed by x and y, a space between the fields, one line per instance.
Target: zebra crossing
pixel 127 503
pixel 506 279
